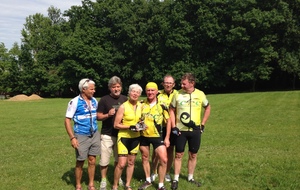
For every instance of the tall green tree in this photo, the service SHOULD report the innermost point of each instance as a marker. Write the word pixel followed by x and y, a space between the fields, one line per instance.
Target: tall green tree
pixel 42 38
pixel 289 40
pixel 252 40
pixel 4 66
pixel 87 51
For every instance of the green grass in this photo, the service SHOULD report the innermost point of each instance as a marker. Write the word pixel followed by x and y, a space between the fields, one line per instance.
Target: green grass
pixel 251 142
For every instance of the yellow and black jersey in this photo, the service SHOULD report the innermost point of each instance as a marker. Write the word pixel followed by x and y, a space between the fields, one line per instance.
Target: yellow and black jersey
pixel 130 117
pixel 153 115
pixel 188 108
pixel 165 98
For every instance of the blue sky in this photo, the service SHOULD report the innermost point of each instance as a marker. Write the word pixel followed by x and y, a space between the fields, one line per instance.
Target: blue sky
pixel 13 15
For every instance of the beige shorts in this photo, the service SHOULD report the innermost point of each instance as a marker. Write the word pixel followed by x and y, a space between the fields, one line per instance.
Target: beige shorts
pixel 108 146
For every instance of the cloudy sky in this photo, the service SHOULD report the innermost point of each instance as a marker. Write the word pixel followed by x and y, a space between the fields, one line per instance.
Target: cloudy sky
pixel 13 15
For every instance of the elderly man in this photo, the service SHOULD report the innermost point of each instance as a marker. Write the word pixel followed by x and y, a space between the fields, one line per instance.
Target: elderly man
pixel 107 108
pixel 84 136
pixel 154 115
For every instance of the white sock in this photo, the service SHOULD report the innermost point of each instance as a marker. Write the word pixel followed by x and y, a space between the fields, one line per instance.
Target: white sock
pixel 160 185
pixel 190 176
pixel 148 179
pixel 176 177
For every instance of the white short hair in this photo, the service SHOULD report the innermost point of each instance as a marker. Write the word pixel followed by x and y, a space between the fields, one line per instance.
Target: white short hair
pixel 84 83
pixel 135 86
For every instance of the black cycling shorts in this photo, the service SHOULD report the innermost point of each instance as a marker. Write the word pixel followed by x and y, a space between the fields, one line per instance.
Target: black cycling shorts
pixel 192 137
pixel 155 141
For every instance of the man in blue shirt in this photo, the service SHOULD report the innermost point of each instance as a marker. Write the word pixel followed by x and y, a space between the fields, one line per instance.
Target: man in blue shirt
pixel 84 136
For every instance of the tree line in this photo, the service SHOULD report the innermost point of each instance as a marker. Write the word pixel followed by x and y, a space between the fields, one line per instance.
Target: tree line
pixel 228 45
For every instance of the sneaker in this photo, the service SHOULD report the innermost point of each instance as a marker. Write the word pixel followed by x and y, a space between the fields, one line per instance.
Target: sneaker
pixel 121 182
pixel 162 188
pixel 174 185
pixel 103 185
pixel 153 177
pixel 168 177
pixel 195 182
pixel 145 185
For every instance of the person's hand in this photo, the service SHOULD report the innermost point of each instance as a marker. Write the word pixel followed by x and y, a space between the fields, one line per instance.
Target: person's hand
pixel 133 128
pixel 111 112
pixel 202 128
pixel 141 126
pixel 74 142
pixel 167 142
pixel 176 131
pixel 164 106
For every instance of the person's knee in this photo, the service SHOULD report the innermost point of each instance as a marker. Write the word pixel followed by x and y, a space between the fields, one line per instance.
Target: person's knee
pixel 163 160
pixel 192 156
pixel 130 163
pixel 178 155
pixel 145 157
pixel 92 160
pixel 121 165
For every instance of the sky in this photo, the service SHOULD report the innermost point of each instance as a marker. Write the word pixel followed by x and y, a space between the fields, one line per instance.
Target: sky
pixel 13 15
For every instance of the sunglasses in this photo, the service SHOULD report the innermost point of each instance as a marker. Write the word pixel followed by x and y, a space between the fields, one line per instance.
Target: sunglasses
pixel 86 81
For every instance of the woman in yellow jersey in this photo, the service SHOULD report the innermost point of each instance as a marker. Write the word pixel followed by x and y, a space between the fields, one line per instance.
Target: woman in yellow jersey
pixel 127 117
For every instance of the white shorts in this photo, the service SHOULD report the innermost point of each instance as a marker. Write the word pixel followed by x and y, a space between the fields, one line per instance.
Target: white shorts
pixel 108 146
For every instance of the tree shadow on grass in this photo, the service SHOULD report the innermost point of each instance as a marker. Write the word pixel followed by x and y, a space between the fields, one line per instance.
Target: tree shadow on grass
pixel 138 175
pixel 69 176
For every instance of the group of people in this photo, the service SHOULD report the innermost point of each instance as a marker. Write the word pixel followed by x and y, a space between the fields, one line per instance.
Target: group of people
pixel 166 119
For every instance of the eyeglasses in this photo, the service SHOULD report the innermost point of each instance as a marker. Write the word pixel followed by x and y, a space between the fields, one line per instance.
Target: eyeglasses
pixel 168 82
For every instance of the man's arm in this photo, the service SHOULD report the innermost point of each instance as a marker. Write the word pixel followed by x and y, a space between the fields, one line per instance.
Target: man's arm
pixel 101 116
pixel 172 117
pixel 168 131
pixel 206 114
pixel 69 130
pixel 68 127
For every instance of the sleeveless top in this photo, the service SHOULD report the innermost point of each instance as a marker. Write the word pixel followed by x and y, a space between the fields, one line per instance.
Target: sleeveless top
pixel 130 117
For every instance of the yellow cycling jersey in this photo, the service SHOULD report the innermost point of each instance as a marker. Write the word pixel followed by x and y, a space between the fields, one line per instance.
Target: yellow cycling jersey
pixel 188 108
pixel 165 98
pixel 154 117
pixel 130 117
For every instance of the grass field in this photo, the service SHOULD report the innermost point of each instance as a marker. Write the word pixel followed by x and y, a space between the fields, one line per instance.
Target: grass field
pixel 252 141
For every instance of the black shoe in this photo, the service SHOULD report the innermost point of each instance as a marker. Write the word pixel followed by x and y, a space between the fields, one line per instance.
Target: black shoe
pixel 195 182
pixel 174 185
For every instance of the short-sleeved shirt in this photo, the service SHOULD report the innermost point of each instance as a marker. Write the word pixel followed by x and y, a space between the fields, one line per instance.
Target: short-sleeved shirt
pixel 154 117
pixel 166 98
pixel 130 117
pixel 84 117
pixel 188 107
pixel 105 104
